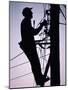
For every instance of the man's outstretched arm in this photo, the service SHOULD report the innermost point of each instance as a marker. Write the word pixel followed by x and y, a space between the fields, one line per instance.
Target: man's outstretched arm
pixel 37 30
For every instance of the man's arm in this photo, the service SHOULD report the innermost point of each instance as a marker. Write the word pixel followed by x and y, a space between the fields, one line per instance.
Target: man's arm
pixel 37 30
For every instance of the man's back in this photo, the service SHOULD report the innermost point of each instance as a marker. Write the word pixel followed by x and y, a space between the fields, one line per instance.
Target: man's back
pixel 26 33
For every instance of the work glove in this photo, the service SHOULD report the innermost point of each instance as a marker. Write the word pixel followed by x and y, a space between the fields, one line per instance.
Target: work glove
pixel 44 23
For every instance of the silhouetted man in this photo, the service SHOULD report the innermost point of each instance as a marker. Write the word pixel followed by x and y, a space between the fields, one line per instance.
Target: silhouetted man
pixel 28 45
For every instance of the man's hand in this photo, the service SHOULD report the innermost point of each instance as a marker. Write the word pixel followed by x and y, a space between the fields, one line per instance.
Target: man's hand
pixel 44 23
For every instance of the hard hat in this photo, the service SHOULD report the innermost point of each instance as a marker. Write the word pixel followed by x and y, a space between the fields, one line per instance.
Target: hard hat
pixel 26 11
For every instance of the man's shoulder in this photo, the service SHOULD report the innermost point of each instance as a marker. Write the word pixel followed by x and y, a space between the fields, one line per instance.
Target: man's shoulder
pixel 24 21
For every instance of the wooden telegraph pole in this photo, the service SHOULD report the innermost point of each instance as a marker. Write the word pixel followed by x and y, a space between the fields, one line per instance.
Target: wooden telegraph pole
pixel 54 36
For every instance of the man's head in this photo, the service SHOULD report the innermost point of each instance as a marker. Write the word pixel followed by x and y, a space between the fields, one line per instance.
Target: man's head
pixel 27 13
